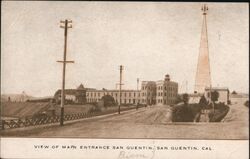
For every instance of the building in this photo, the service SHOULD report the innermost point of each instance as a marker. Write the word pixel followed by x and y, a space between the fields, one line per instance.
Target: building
pixel 166 91
pixel 127 96
pixel 77 96
pixel 167 94
pixel 162 92
pixel 223 94
pixel 148 92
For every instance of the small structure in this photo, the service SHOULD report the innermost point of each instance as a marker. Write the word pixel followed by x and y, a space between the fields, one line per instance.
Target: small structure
pixel 194 98
pixel 223 94
pixel 77 96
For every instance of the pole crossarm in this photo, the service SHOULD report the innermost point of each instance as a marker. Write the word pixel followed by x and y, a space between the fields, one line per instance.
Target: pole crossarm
pixel 119 84
pixel 66 61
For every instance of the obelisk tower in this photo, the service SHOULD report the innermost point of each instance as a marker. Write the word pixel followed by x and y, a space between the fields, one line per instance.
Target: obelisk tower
pixel 203 76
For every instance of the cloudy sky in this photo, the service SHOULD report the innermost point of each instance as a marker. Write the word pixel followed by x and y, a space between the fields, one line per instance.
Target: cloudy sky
pixel 150 39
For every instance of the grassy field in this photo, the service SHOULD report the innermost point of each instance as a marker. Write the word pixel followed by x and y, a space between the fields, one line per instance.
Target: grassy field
pixel 27 109
pixel 20 109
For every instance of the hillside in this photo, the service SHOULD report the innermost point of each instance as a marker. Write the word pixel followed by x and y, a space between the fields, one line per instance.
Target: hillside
pixel 15 97
pixel 27 109
pixel 21 109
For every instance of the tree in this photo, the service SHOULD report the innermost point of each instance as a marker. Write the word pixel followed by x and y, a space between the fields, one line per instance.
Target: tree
pixel 108 100
pixel 178 99
pixel 234 92
pixel 214 96
pixel 185 98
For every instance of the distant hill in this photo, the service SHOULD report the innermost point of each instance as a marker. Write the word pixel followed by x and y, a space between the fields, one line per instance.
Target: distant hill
pixel 239 95
pixel 20 97
pixel 15 97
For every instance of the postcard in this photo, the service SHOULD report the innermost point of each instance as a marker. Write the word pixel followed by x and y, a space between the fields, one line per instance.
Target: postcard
pixel 124 80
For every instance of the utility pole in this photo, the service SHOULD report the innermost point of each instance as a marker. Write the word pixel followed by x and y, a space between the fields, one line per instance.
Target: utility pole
pixel 137 94
pixel 120 88
pixel 186 86
pixel 65 25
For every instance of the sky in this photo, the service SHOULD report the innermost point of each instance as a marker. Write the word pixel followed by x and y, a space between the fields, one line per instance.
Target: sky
pixel 150 39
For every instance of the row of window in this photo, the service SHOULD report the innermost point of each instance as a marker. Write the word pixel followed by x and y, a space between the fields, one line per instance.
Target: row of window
pixel 95 94
pixel 165 101
pixel 149 88
pixel 166 94
pixel 98 94
pixel 129 101
pixel 167 88
pixel 126 101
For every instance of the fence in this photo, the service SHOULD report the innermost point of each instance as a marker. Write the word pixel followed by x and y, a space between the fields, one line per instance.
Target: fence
pixel 18 123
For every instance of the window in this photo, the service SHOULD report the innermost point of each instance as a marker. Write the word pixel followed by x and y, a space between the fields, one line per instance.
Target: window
pixel 98 94
pixel 134 94
pixel 125 94
pixel 129 94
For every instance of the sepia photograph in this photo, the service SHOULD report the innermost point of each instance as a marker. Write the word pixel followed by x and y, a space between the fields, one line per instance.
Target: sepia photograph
pixel 124 70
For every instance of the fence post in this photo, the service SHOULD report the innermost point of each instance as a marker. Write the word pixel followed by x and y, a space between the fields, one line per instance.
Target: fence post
pixel 3 122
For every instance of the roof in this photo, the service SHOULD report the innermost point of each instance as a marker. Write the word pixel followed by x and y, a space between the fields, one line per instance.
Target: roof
pixel 217 88
pixel 69 91
pixel 80 87
pixel 113 90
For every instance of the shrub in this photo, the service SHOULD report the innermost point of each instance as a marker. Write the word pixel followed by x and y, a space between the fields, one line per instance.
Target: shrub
pixel 108 100
pixel 214 96
pixel 246 103
pixel 182 113
pixel 95 109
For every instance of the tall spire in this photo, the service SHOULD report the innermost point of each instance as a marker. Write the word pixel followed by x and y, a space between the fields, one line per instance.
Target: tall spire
pixel 203 76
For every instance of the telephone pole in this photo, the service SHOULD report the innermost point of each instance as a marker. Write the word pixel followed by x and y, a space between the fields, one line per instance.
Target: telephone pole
pixel 137 105
pixel 65 25
pixel 120 88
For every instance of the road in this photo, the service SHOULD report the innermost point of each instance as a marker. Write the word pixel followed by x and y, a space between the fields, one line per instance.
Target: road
pixel 149 122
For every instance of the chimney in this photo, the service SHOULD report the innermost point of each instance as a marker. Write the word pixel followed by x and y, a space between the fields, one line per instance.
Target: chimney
pixel 167 77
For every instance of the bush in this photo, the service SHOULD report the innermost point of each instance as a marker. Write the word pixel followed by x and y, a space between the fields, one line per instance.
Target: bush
pixel 95 109
pixel 219 113
pixel 108 100
pixel 182 113
pixel 246 103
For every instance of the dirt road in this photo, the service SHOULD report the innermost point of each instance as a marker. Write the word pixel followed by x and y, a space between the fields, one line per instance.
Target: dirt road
pixel 150 122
